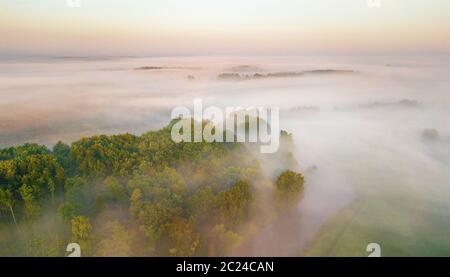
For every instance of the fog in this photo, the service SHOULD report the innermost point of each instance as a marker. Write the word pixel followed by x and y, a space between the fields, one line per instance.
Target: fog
pixel 372 174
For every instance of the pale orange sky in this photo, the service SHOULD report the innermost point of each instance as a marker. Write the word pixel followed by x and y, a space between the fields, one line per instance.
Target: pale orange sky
pixel 210 27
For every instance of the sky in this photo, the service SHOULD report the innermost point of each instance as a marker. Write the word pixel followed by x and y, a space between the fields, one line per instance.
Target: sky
pixel 231 27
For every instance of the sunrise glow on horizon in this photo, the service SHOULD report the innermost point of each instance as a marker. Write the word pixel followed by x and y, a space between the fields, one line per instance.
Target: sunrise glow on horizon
pixel 201 27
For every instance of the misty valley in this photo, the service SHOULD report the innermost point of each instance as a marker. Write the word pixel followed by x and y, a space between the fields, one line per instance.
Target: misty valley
pixel 86 157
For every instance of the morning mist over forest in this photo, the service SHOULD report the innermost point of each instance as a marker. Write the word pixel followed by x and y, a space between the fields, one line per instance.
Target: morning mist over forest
pixel 87 157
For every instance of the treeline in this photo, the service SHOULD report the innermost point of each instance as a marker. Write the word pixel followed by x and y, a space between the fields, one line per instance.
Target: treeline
pixel 126 195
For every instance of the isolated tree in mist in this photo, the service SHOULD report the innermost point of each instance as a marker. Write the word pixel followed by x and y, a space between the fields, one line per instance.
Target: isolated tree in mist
pixel 289 188
pixel 7 201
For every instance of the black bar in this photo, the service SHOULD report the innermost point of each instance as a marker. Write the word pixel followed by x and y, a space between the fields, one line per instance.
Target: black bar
pixel 223 266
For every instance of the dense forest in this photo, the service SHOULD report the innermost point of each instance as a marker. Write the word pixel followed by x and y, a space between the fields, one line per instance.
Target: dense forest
pixel 127 195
